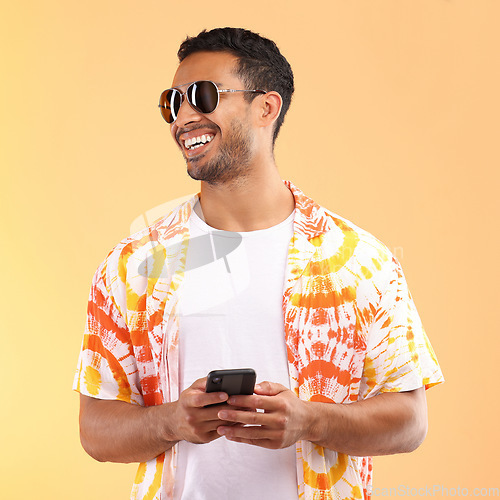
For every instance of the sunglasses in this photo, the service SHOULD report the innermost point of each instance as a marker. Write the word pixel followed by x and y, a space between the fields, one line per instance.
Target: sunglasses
pixel 203 96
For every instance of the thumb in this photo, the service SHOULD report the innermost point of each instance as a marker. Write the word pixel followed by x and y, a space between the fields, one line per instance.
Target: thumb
pixel 200 384
pixel 267 388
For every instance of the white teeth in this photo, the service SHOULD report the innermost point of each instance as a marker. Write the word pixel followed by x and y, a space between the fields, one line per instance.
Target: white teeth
pixel 196 142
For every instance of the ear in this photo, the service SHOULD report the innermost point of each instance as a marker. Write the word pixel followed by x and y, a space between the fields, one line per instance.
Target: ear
pixel 269 108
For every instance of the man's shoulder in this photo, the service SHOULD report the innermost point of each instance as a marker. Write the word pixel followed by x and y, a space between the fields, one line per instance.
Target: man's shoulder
pixel 338 228
pixel 143 238
pixel 354 253
pixel 144 242
pixel 327 229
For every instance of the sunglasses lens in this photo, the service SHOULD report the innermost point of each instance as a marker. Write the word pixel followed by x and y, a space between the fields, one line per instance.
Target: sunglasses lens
pixel 203 96
pixel 170 102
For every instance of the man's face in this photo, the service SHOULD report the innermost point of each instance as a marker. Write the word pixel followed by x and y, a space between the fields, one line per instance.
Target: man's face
pixel 227 152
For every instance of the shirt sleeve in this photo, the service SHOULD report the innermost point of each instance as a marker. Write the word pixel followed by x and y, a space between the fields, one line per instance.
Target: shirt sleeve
pixel 399 355
pixel 107 367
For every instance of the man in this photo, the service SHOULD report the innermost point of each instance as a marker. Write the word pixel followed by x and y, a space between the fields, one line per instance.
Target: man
pixel 317 306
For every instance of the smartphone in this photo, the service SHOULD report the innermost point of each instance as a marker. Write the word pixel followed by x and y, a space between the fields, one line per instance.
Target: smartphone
pixel 232 382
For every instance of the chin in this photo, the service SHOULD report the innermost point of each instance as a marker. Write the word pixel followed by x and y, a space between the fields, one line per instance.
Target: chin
pixel 194 172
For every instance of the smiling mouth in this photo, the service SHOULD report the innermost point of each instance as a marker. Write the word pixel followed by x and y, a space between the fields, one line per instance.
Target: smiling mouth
pixel 196 145
pixel 196 142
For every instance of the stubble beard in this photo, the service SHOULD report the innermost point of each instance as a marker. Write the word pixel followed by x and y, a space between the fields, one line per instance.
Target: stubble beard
pixel 231 164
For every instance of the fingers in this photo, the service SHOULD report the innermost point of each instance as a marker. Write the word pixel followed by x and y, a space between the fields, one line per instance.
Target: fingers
pixel 201 383
pixel 266 403
pixel 269 388
pixel 277 427
pixel 199 425
pixel 196 412
pixel 247 417
pixel 202 399
pixel 201 417
pixel 196 397
pixel 259 436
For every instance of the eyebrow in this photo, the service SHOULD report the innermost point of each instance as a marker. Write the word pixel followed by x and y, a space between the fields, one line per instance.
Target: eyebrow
pixel 219 84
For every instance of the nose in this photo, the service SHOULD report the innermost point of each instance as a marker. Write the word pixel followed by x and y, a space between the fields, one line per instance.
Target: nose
pixel 186 114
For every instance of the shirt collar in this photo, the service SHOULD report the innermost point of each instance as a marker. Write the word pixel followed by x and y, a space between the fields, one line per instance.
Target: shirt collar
pixel 310 218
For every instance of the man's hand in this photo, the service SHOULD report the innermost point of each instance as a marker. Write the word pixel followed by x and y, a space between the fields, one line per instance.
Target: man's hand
pixel 116 431
pixel 284 422
pixel 195 421
pixel 381 425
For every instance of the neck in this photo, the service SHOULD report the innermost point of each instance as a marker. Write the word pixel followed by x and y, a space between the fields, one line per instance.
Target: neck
pixel 258 201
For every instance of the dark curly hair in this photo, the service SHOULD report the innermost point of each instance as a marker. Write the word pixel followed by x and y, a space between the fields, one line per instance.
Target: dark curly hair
pixel 260 63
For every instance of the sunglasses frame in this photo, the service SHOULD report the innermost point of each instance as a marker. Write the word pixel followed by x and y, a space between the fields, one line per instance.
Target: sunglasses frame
pixel 190 85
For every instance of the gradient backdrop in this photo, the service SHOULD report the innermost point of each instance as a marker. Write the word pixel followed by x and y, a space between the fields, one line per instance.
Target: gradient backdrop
pixel 394 125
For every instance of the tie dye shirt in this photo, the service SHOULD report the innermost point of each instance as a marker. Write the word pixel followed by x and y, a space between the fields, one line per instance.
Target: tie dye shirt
pixel 352 332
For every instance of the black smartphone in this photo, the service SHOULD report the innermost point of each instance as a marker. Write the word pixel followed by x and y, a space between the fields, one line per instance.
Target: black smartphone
pixel 232 382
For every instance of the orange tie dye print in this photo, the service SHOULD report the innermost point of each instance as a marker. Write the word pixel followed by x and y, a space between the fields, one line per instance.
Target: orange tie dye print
pixel 352 332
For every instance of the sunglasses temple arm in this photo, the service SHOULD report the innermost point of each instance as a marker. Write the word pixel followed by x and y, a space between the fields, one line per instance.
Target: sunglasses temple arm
pixel 241 90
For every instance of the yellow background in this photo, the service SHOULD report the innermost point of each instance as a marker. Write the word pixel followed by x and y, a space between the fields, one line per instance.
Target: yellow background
pixel 394 125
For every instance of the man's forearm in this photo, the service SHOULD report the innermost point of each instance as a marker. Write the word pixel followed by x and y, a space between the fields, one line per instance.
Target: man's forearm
pixel 382 425
pixel 115 431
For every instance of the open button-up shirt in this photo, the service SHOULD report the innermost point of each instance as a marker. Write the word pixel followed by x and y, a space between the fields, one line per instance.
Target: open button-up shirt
pixel 352 332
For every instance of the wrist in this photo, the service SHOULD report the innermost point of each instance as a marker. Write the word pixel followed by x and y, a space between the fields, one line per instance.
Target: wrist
pixel 325 420
pixel 166 423
pixel 312 422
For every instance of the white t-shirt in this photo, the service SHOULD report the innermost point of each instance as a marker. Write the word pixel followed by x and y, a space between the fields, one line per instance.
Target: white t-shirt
pixel 231 317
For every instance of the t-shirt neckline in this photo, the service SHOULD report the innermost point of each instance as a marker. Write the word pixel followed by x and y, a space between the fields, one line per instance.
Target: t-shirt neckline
pixel 201 224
